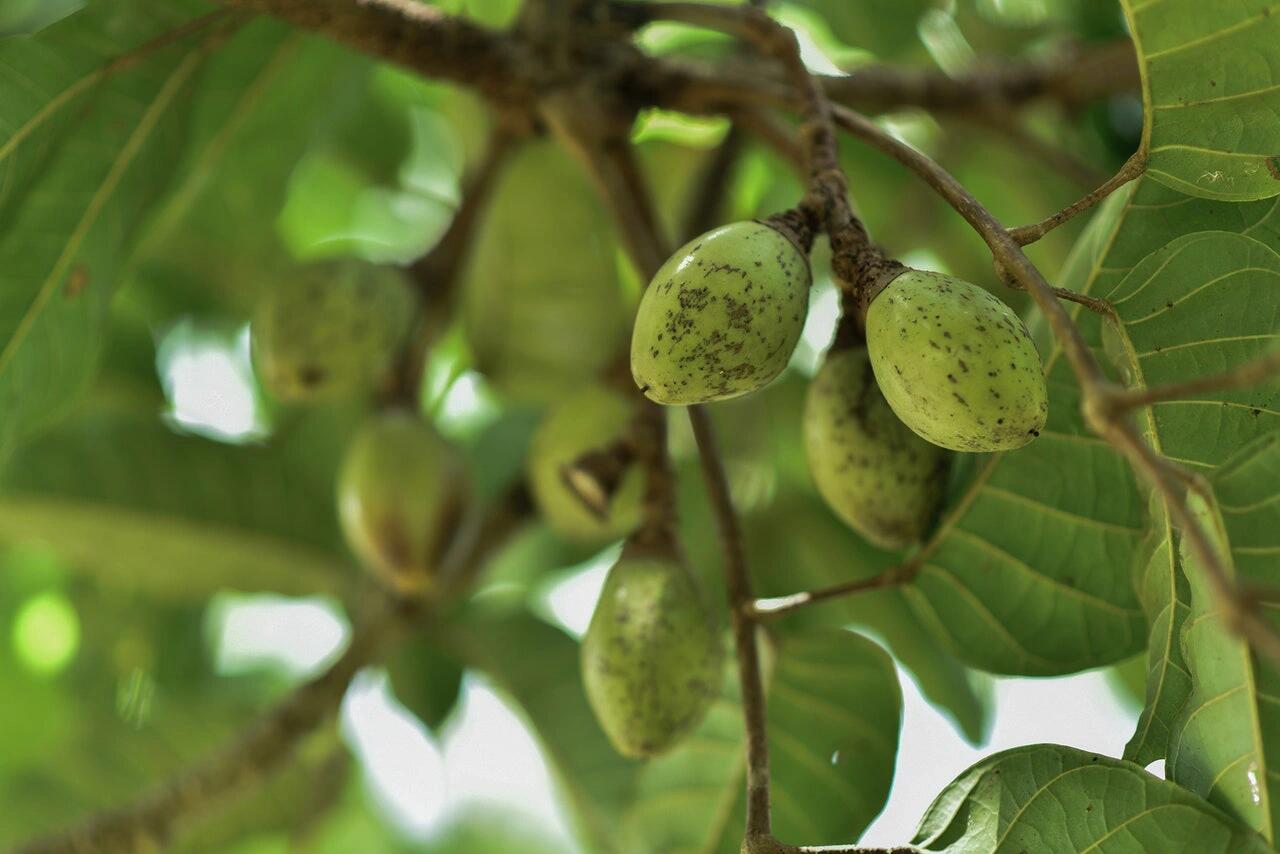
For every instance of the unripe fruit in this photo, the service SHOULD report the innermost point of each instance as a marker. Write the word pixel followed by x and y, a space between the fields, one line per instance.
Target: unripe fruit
pixel 588 421
pixel 721 317
pixel 877 475
pixel 956 364
pixel 542 307
pixel 651 656
pixel 399 499
pixel 332 330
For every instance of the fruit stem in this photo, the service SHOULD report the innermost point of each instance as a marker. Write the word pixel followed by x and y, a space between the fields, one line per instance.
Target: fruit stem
pixel 738 584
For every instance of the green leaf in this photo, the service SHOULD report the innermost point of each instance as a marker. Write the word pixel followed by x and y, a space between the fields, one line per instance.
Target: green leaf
pixel 794 544
pixel 1049 603
pixel 1058 800
pixel 1228 735
pixel 1211 95
pixel 1134 224
pixel 209 242
pixel 536 666
pixel 1165 599
pixel 1204 303
pixel 140 507
pixel 425 679
pixel 834 713
pixel 92 110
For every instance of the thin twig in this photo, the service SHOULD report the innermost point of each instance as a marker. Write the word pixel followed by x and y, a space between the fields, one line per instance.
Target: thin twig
pixel 781 606
pixel 437 273
pixel 1097 393
pixel 1028 234
pixel 738 583
pixel 1242 376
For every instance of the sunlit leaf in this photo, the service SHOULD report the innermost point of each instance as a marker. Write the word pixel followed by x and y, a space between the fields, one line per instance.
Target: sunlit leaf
pixel 1058 800
pixel 1211 94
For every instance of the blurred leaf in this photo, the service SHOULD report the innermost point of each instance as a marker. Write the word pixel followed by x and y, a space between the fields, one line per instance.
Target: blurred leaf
pixel 1211 99
pixel 143 508
pixel 425 679
pixel 834 713
pixel 1058 800
pixel 22 17
pixel 541 304
pixel 85 151
pixel 536 666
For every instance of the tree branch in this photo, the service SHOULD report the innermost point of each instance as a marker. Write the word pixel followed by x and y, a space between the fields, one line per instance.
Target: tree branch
pixel 738 583
pixel 781 606
pixel 153 820
pixel 1072 79
pixel 1027 234
pixel 412 35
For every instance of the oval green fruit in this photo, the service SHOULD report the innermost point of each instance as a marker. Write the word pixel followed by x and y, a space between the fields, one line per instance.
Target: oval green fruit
pixel 331 330
pixel 956 364
pixel 587 421
pixel 872 470
pixel 651 656
pixel 542 305
pixel 400 494
pixel 721 317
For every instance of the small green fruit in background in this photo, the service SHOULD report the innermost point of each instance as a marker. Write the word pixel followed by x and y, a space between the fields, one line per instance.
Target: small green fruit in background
pixel 331 331
pixel 542 305
pixel 651 656
pixel 590 420
pixel 956 364
pixel 721 317
pixel 399 499
pixel 877 475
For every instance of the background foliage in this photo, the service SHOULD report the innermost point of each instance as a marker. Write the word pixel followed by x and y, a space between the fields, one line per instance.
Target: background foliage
pixel 146 203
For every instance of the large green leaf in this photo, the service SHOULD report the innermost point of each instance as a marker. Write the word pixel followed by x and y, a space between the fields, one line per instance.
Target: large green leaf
pixel 91 116
pixel 536 666
pixel 1138 221
pixel 1211 94
pixel 1165 599
pixel 834 713
pixel 1058 800
pixel 1223 741
pixel 140 507
pixel 1065 511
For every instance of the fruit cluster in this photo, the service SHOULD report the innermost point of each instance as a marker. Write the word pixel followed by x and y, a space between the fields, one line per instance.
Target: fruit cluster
pixel 936 365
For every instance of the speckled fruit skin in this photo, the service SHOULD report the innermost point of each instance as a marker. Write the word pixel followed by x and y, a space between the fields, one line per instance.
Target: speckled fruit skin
pixel 877 475
pixel 956 364
pixel 398 493
pixel 651 656
pixel 330 331
pixel 721 317
pixel 586 421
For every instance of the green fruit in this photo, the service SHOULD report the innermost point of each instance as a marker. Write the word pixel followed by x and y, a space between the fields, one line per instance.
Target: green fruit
pixel 956 364
pixel 400 496
pixel 721 317
pixel 878 476
pixel 590 420
pixel 332 330
pixel 651 656
pixel 542 307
